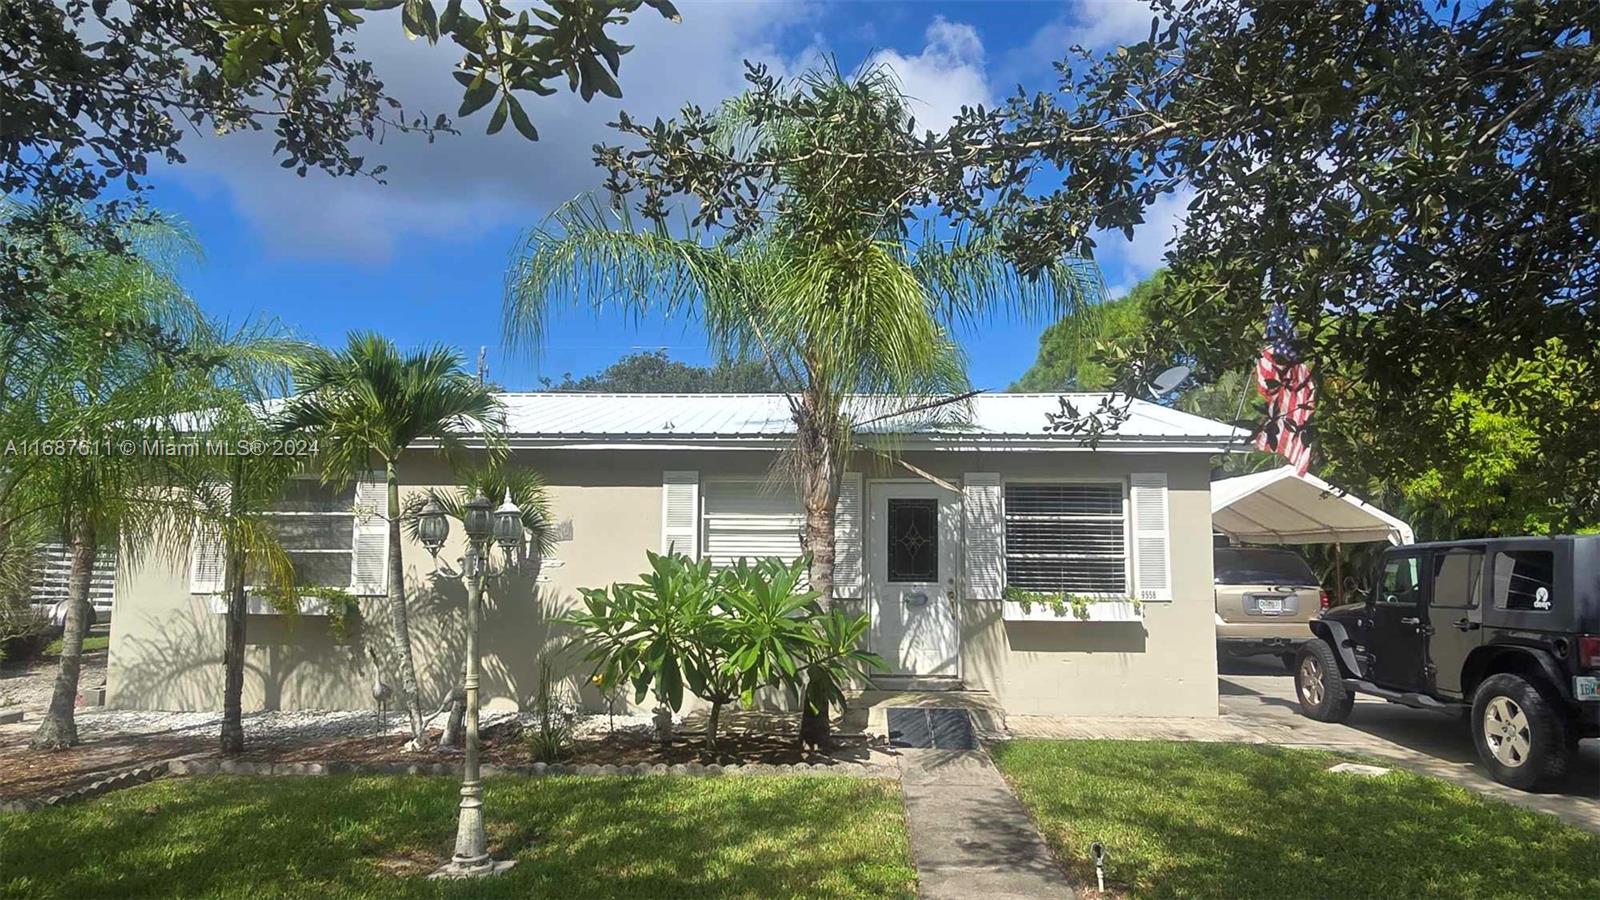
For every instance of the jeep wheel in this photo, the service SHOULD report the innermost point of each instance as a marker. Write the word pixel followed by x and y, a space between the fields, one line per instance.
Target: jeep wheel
pixel 1319 684
pixel 1521 735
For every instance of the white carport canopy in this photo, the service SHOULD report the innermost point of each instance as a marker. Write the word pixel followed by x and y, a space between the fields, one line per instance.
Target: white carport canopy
pixel 1281 507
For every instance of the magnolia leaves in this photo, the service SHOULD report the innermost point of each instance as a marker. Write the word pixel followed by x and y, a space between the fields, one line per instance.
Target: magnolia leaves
pixel 505 52
pixel 92 92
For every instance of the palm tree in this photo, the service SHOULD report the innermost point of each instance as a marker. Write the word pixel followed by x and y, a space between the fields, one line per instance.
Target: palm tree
pixel 367 404
pixel 121 358
pixel 232 495
pixel 851 306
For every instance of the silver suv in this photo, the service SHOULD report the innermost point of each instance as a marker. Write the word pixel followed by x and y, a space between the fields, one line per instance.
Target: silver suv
pixel 1265 600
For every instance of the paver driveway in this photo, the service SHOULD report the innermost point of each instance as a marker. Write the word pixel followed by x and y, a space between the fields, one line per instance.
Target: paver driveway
pixel 1260 696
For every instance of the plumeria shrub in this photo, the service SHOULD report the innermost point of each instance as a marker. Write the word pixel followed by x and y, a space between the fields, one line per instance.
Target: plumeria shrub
pixel 720 634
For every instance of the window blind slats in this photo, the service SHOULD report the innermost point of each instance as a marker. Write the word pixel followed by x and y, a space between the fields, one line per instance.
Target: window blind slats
pixel 751 520
pixel 1067 538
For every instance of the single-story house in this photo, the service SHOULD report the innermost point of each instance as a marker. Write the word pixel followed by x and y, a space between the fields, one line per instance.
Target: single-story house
pixel 965 504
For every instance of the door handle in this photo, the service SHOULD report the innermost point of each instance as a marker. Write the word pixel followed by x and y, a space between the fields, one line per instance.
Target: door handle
pixel 1410 620
pixel 1467 625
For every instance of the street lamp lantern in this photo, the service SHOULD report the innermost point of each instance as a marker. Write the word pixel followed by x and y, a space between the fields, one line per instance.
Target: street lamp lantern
pixel 433 526
pixel 478 521
pixel 483 525
pixel 508 524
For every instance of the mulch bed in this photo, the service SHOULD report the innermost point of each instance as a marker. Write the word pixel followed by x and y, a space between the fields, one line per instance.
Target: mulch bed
pixel 506 746
pixel 31 774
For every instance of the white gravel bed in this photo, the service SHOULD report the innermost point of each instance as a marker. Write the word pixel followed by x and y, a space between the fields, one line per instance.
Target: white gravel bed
pixel 599 725
pixel 314 725
pixel 31 687
pixel 307 725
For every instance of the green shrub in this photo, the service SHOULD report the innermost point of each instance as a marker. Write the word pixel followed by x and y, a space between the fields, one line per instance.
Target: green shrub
pixel 550 741
pixel 721 635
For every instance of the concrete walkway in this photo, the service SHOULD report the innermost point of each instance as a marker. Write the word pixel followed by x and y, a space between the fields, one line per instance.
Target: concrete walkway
pixel 970 837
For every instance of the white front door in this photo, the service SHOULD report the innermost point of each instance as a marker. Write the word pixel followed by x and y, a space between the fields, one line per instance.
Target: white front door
pixel 914 532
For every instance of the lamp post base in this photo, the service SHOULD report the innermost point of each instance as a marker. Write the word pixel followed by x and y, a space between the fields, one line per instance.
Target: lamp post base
pixel 486 868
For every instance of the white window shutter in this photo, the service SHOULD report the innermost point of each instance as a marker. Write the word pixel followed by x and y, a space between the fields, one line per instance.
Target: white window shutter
pixel 208 564
pixel 680 513
pixel 983 553
pixel 849 575
pixel 1152 557
pixel 369 567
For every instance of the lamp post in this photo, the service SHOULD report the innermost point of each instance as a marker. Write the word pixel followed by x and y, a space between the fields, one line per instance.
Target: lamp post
pixel 504 525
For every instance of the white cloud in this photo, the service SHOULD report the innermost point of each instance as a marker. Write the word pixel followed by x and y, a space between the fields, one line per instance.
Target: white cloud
pixel 1126 263
pixel 1094 24
pixel 1107 23
pixel 947 74
pixel 460 187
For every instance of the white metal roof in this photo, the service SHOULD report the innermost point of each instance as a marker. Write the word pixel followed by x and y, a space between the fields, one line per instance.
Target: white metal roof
pixel 1281 507
pixel 1013 420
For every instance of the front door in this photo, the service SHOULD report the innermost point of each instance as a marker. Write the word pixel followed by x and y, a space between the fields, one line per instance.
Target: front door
pixel 1397 641
pixel 914 531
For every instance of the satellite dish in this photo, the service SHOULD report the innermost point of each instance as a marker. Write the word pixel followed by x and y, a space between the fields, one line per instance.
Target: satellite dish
pixel 1168 381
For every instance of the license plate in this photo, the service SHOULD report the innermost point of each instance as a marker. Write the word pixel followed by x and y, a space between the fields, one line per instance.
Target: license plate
pixel 1586 687
pixel 1270 604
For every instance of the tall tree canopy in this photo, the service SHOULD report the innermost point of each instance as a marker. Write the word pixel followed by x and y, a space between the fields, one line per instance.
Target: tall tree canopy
pixel 653 371
pixel 1074 352
pixel 1410 178
pixel 94 91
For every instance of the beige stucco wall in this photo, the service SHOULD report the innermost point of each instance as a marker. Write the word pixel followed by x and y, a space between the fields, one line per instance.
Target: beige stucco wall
pixel 1164 666
pixel 166 645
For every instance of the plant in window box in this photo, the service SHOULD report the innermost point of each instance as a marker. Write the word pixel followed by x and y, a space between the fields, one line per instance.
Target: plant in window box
pixel 339 605
pixel 1061 604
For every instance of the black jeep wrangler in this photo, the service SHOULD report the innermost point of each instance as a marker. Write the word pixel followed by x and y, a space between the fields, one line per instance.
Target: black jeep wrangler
pixel 1504 630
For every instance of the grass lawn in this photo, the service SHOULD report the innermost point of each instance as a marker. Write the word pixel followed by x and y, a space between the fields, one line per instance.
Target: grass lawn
pixel 1230 820
pixel 91 642
pixel 572 837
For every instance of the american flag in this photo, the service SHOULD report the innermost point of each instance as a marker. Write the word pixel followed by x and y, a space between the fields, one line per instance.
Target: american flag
pixel 1285 382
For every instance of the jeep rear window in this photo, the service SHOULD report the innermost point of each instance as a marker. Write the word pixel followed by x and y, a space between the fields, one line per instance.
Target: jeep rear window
pixel 1236 565
pixel 1524 580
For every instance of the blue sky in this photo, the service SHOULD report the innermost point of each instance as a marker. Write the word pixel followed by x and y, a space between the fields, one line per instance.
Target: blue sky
pixel 422 257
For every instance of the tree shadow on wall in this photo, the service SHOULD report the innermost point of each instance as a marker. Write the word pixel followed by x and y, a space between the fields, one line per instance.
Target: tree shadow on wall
pixel 517 629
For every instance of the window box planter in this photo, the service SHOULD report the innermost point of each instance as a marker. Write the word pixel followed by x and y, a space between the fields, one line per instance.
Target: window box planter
pixel 256 605
pixel 1096 611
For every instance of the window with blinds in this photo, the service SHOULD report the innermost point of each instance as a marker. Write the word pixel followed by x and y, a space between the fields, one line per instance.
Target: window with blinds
pixel 315 525
pixel 750 519
pixel 1066 538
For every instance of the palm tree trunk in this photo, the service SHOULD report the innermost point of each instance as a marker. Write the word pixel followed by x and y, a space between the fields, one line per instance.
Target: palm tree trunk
pixel 822 465
pixel 233 624
pixel 233 654
pixel 402 619
pixel 59 729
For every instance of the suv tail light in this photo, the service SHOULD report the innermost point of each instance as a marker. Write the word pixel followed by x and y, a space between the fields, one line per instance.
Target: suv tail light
pixel 1327 603
pixel 1589 651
